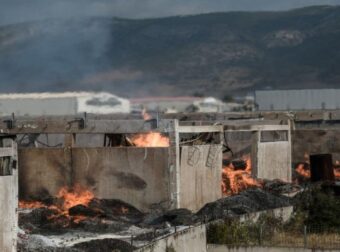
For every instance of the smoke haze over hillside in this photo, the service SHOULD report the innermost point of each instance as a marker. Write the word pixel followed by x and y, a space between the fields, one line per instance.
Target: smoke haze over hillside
pixel 14 11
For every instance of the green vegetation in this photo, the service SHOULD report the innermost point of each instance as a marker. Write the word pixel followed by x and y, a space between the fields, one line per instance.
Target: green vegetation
pixel 315 223
pixel 317 207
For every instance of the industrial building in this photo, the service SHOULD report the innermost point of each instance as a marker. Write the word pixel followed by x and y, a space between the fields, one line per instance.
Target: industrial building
pixel 299 99
pixel 181 104
pixel 54 104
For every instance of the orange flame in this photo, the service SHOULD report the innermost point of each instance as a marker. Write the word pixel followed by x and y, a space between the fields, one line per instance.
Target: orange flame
pixel 151 139
pixel 303 170
pixel 235 181
pixel 68 198
pixel 74 196
pixel 31 204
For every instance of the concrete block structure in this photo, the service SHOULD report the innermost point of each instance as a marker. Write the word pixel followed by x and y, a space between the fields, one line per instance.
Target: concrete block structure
pixel 182 174
pixel 267 142
pixel 270 147
pixel 271 153
pixel 8 194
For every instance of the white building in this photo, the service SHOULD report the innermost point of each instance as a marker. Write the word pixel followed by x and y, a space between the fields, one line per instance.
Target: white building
pixel 69 103
pixel 179 104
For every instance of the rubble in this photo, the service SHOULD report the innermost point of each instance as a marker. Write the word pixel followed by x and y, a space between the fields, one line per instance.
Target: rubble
pixel 116 225
pixel 249 201
pixel 280 187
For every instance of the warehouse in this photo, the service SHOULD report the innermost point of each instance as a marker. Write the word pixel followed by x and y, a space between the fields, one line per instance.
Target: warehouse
pixel 299 99
pixel 70 103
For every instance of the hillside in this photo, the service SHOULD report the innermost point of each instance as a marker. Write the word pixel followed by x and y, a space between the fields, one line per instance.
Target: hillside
pixel 214 54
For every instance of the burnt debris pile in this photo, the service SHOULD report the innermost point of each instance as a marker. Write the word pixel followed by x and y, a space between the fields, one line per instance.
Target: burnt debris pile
pixel 98 216
pixel 102 223
pixel 249 201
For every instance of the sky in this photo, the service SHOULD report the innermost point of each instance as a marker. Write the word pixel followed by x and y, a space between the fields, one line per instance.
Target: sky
pixel 16 11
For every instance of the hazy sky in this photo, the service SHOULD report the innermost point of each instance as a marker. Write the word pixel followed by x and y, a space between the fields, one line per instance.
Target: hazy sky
pixel 13 11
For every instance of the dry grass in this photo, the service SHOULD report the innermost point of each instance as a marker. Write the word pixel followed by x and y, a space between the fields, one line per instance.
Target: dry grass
pixel 288 239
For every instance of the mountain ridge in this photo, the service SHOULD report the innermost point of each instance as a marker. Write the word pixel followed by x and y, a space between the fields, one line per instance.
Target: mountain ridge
pixel 211 54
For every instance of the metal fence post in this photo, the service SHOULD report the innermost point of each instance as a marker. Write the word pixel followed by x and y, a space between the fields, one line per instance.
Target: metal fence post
pixel 305 236
pixel 261 234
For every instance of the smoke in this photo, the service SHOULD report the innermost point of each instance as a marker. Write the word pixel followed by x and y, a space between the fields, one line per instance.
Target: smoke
pixel 68 50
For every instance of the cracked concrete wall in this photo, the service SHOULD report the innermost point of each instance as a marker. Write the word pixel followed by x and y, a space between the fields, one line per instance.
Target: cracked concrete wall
pixel 200 175
pixel 138 176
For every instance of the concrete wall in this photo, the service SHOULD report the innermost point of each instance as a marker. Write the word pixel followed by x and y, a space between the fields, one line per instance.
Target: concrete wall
pixel 200 175
pixel 283 212
pixel 225 248
pixel 192 239
pixel 43 171
pixel 8 208
pixel 315 142
pixel 138 176
pixel 272 160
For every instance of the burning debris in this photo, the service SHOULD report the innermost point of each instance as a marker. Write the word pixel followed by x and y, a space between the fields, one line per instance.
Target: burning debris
pixel 76 221
pixel 303 170
pixel 151 139
pixel 236 176
pixel 75 208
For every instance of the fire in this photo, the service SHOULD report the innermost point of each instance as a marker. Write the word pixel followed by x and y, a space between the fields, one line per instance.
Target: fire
pixel 151 139
pixel 31 204
pixel 234 181
pixel 304 171
pixel 66 199
pixel 74 196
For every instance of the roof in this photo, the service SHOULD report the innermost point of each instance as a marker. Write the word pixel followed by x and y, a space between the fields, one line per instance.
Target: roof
pixel 46 95
pixel 166 99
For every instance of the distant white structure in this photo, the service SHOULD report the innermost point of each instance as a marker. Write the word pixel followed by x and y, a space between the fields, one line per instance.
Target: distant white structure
pixel 69 103
pixel 179 104
pixel 210 105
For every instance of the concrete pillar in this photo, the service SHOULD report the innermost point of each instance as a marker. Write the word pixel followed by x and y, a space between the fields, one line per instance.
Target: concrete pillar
pixel 8 196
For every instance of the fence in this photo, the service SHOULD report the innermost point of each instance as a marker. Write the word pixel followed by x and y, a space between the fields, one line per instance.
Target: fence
pixel 274 236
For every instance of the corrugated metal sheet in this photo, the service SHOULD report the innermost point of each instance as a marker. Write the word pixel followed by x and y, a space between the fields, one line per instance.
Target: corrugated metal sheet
pixel 303 99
